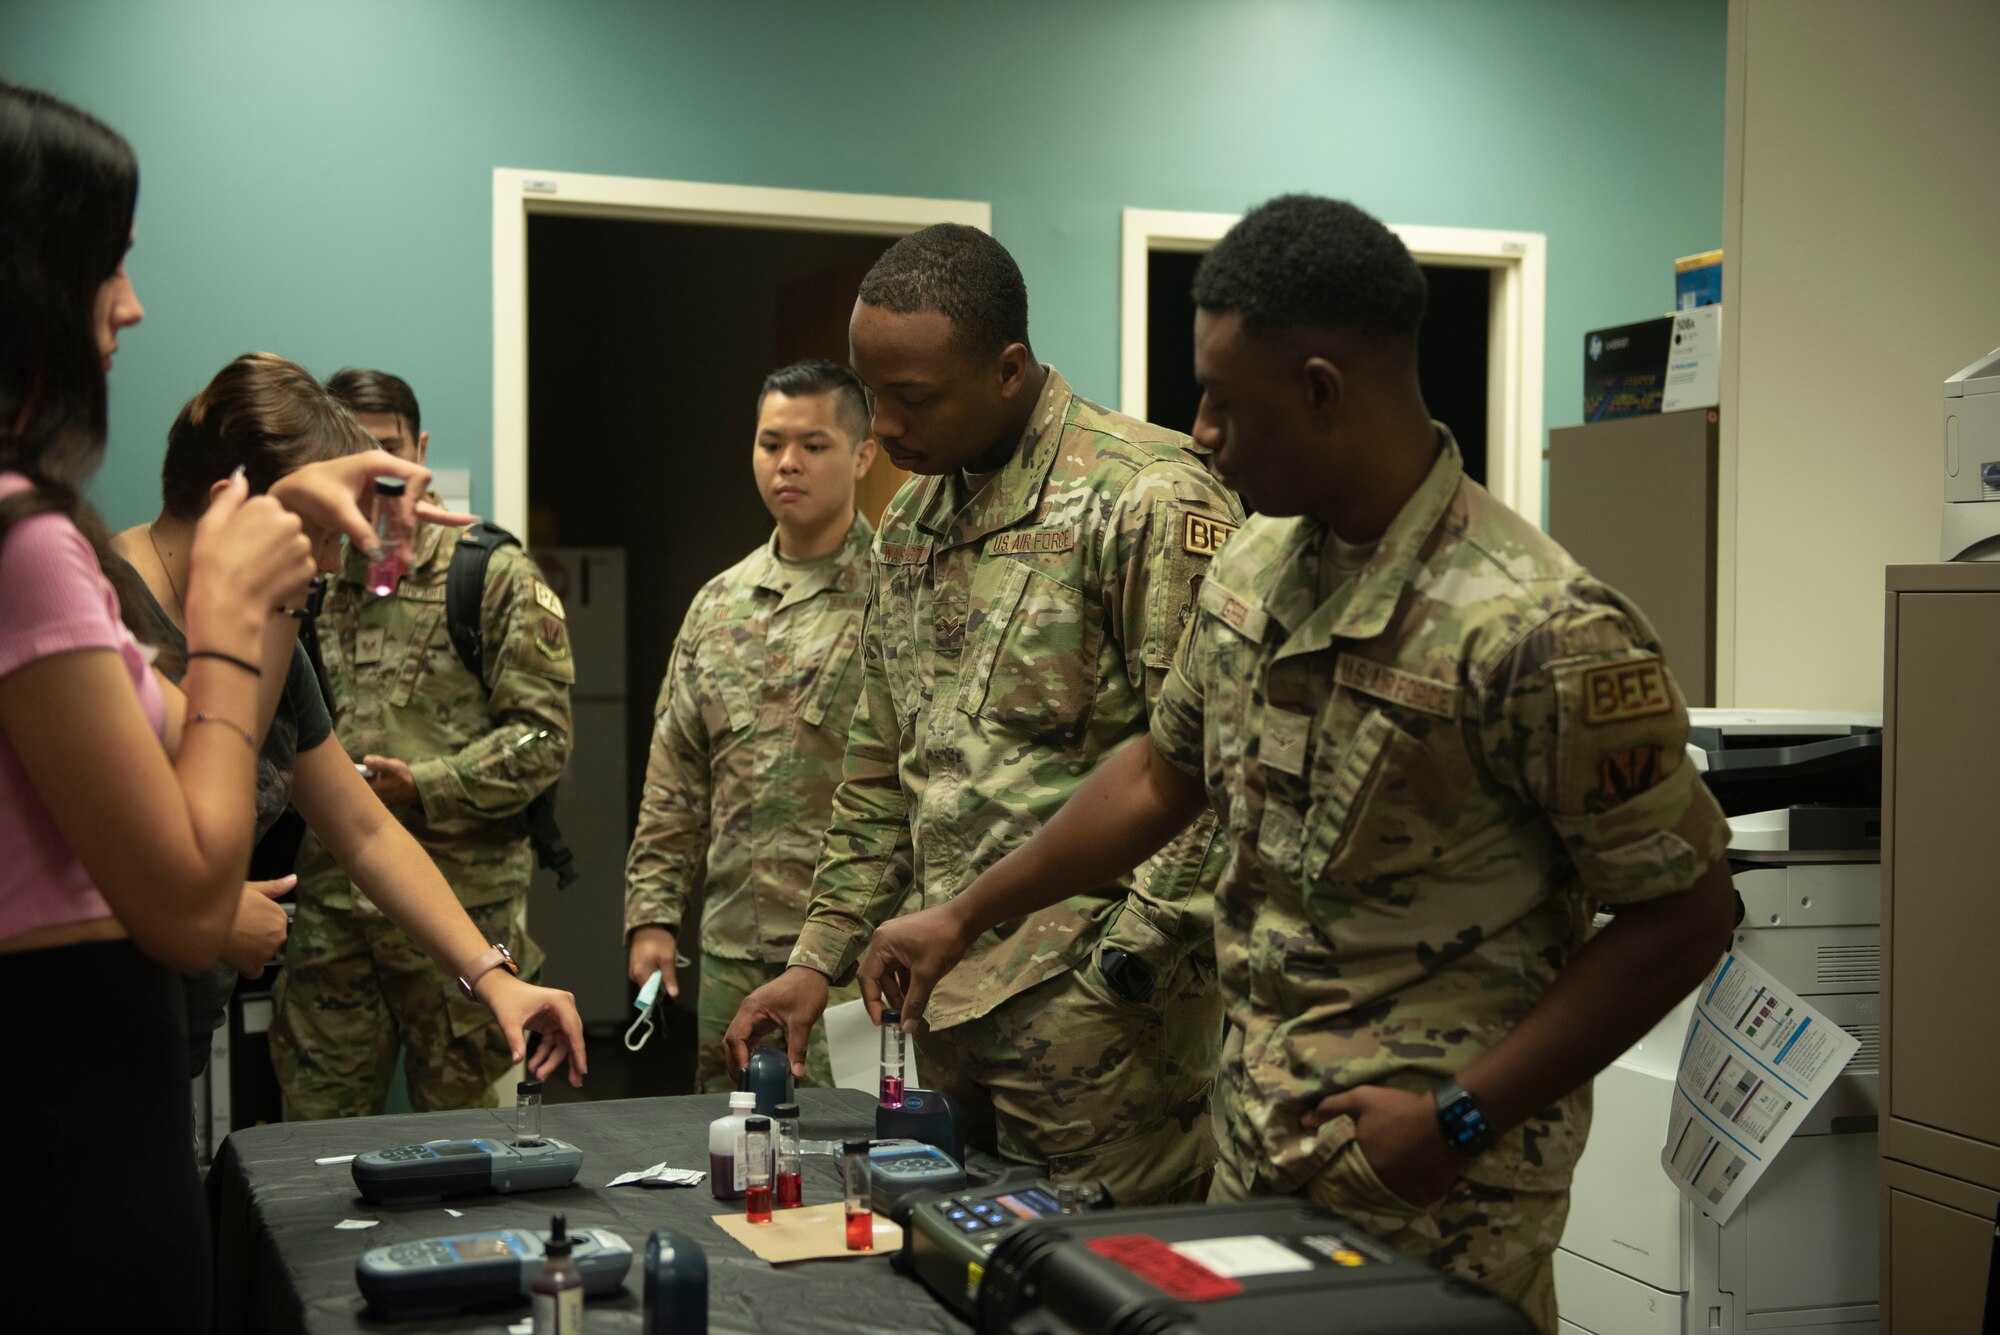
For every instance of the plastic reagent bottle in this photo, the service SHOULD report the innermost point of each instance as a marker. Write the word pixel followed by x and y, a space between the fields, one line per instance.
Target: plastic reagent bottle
pixel 860 1200
pixel 787 1173
pixel 558 1292
pixel 757 1170
pixel 725 1147
pixel 528 1113
pixel 892 1059
pixel 392 537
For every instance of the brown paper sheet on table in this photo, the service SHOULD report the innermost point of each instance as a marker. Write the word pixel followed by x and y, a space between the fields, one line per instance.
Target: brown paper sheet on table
pixel 812 1233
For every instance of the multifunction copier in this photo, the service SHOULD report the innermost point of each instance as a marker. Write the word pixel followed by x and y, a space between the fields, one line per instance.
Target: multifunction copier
pixel 1802 791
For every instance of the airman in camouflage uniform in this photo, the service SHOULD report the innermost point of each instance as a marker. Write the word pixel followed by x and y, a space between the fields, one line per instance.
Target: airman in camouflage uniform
pixel 1020 631
pixel 749 733
pixel 1430 780
pixel 477 751
pixel 1435 749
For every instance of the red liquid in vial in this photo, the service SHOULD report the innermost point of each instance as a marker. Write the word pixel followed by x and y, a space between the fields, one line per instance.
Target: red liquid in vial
pixel 722 1176
pixel 861 1231
pixel 790 1194
pixel 757 1205
pixel 892 1091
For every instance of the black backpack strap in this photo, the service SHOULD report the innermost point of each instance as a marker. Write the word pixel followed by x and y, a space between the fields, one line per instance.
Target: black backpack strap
pixel 465 592
pixel 464 597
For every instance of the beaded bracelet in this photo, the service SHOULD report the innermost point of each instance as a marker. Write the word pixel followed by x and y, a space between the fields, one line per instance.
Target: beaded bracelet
pixel 248 740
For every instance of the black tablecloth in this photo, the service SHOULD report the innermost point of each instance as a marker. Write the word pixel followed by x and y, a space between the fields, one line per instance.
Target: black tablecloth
pixel 283 1268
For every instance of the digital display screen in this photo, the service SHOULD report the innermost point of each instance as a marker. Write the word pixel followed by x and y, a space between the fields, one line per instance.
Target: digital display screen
pixel 1031 1204
pixel 460 1147
pixel 480 1249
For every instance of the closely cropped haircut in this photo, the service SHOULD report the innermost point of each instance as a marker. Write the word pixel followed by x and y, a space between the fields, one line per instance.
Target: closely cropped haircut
pixel 1303 262
pixel 961 273
pixel 850 404
pixel 263 414
pixel 365 391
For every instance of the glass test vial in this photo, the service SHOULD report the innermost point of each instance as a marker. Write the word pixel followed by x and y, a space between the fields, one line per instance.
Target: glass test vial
pixel 757 1170
pixel 892 1059
pixel 860 1200
pixel 391 536
pixel 528 1113
pixel 787 1171
pixel 557 1294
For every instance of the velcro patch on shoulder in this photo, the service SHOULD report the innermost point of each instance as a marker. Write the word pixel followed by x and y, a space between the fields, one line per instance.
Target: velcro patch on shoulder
pixel 1204 535
pixel 1033 540
pixel 1424 694
pixel 1636 688
pixel 546 596
pixel 1241 615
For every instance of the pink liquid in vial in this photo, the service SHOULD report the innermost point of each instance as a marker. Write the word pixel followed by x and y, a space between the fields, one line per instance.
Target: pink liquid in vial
pixel 757 1205
pixel 383 574
pixel 722 1176
pixel 790 1194
pixel 860 1231
pixel 892 1091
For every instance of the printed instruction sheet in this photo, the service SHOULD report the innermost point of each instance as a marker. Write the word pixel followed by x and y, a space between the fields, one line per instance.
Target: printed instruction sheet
pixel 1756 1060
pixel 854 1050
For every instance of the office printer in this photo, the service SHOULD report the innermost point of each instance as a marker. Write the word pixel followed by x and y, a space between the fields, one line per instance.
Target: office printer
pixel 1802 790
pixel 1971 530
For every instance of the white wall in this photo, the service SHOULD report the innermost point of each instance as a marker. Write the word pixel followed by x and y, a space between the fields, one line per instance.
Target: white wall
pixel 1861 213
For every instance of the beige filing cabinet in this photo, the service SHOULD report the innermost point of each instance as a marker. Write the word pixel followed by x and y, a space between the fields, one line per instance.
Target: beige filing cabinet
pixel 1634 500
pixel 1940 948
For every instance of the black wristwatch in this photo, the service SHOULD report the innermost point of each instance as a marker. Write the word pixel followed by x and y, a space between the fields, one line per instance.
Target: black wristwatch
pixel 1461 1119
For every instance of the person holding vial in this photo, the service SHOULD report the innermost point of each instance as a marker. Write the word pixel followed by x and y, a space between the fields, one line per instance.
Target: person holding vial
pixel 459 758
pixel 890 1094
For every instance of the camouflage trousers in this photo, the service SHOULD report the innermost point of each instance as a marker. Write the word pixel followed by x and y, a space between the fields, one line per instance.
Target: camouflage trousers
pixel 1501 1238
pixel 355 987
pixel 1073 1077
pixel 724 984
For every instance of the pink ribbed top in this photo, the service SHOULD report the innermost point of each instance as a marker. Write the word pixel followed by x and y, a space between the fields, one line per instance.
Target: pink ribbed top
pixel 53 600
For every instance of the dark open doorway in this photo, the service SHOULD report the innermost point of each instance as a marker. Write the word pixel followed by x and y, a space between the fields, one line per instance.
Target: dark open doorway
pixel 1451 350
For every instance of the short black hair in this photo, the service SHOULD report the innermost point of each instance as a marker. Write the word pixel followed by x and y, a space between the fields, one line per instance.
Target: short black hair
pixel 366 391
pixel 1304 262
pixel 961 273
pixel 819 376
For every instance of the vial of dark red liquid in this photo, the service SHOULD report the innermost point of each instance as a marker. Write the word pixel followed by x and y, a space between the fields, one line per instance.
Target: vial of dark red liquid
pixel 787 1169
pixel 757 1170
pixel 860 1201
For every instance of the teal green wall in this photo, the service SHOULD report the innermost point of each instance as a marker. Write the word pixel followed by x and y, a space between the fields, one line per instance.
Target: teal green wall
pixel 317 177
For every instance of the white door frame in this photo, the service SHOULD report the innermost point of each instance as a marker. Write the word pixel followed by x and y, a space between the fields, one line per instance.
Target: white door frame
pixel 1519 265
pixel 517 193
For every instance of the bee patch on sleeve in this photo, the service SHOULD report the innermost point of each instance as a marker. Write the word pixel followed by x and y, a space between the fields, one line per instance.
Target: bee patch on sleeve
pixel 1634 689
pixel 1203 535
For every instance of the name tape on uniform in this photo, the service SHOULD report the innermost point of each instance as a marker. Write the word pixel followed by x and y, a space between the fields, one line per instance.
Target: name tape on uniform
pixel 1032 540
pixel 1396 686
pixel 1620 691
pixel 1204 536
pixel 905 553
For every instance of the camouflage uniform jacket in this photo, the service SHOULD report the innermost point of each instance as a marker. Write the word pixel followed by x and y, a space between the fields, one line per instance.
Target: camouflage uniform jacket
pixel 1015 638
pixel 478 751
pixel 1429 778
pixel 748 738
